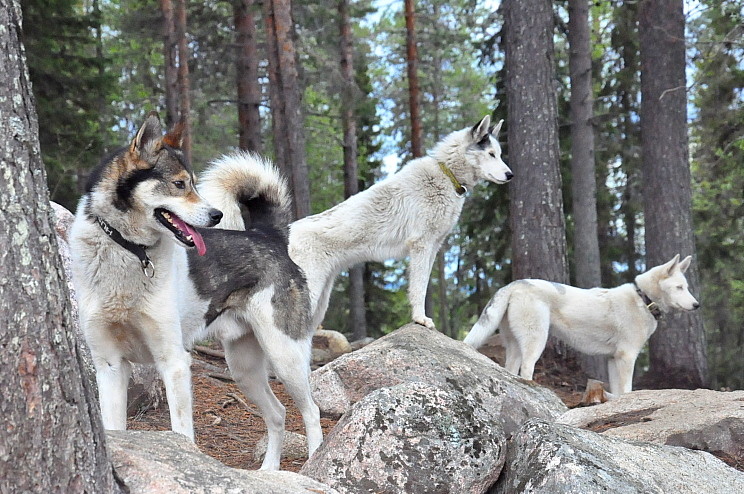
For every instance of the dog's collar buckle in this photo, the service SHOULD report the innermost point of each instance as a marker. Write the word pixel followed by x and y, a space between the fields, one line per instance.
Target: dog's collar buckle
pixel 652 306
pixel 148 268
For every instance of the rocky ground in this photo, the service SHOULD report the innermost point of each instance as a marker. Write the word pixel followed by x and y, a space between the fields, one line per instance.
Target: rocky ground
pixel 228 428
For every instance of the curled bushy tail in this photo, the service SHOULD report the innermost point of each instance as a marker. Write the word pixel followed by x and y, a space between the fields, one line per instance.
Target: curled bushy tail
pixel 490 318
pixel 250 192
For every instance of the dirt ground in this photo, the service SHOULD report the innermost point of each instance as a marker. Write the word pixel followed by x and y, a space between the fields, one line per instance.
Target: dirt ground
pixel 227 427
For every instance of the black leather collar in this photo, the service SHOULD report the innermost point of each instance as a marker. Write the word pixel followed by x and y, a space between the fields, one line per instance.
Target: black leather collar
pixel 652 306
pixel 148 268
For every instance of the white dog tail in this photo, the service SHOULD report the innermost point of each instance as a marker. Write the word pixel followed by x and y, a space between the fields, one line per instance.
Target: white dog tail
pixel 249 190
pixel 490 318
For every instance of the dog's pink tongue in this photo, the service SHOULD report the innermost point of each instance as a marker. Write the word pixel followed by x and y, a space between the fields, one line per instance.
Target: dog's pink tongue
pixel 201 248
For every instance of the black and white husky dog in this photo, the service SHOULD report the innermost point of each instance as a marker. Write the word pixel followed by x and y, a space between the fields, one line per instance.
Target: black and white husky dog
pixel 150 281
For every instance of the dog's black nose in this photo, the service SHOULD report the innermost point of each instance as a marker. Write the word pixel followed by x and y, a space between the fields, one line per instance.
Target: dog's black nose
pixel 509 176
pixel 695 306
pixel 215 215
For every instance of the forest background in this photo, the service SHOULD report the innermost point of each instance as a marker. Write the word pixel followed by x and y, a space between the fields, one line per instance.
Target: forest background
pixel 99 66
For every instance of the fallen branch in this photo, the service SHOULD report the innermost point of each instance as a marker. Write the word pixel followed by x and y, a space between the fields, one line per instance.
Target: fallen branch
pixel 221 376
pixel 240 400
pixel 209 351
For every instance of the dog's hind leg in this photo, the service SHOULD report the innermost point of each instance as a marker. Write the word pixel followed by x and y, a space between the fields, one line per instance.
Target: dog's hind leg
pixel 112 379
pixel 248 366
pixel 530 328
pixel 513 354
pixel 320 304
pixel 290 360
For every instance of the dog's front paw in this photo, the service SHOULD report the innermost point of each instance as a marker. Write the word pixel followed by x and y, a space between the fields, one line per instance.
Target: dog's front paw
pixel 424 321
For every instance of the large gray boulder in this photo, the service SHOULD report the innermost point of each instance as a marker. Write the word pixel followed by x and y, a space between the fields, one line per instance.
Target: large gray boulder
pixel 168 463
pixel 702 419
pixel 413 437
pixel 555 459
pixel 414 353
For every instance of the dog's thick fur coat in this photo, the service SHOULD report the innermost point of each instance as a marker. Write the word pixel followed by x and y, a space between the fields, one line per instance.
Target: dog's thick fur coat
pixel 241 286
pixel 407 214
pixel 614 322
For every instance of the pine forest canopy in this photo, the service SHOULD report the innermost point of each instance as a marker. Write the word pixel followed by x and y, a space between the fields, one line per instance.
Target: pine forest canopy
pixel 98 67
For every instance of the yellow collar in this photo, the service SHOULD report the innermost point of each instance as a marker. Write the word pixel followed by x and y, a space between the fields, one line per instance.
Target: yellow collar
pixel 460 189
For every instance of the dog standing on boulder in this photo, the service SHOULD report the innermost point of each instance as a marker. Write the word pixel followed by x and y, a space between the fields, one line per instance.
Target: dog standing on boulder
pixel 407 214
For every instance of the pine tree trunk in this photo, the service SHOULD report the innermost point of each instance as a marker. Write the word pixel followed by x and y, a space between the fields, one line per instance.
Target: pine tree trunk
pixel 249 90
pixel 170 55
pixel 536 210
pixel 278 127
pixel 414 91
pixel 291 94
pixel 584 180
pixel 357 312
pixel 52 438
pixel 584 184
pixel 677 348
pixel 184 85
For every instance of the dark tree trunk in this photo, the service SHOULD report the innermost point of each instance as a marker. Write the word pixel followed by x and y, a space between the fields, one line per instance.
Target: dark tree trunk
pixel 278 126
pixel 357 312
pixel 584 184
pixel 414 92
pixel 285 94
pixel 290 94
pixel 677 348
pixel 584 180
pixel 184 91
pixel 52 438
pixel 170 55
pixel 249 90
pixel 538 228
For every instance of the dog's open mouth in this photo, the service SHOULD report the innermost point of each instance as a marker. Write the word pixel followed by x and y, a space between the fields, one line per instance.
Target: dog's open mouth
pixel 184 232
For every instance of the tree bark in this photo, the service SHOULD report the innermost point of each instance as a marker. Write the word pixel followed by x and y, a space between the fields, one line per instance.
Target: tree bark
pixel 249 90
pixel 184 86
pixel 290 94
pixel 414 91
pixel 677 348
pixel 357 311
pixel 52 437
pixel 536 208
pixel 170 55
pixel 584 181
pixel 278 127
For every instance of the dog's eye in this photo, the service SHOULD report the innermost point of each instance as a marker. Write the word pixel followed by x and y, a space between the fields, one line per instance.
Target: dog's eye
pixel 180 184
pixel 493 155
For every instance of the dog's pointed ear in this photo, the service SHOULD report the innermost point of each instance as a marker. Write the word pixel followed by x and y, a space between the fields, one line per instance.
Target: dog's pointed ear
pixel 147 134
pixel 685 264
pixel 174 138
pixel 480 129
pixel 670 265
pixel 497 128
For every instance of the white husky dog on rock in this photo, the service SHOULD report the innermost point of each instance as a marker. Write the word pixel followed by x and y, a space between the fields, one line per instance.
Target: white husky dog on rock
pixel 407 214
pixel 614 322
